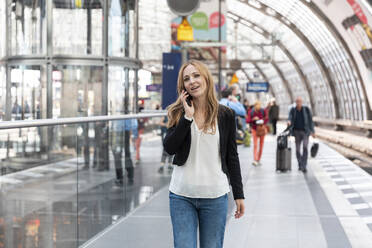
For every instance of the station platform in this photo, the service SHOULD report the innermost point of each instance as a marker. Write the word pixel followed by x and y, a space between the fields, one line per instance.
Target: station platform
pixel 330 206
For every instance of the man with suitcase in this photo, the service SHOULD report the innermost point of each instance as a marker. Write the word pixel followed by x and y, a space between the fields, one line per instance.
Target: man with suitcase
pixel 302 125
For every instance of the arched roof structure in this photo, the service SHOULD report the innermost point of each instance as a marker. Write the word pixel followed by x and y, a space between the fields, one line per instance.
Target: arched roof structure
pixel 308 57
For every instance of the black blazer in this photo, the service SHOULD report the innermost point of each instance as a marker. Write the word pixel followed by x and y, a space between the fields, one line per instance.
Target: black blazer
pixel 178 141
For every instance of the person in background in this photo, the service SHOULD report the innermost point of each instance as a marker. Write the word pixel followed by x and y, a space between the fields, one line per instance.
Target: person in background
pixel 17 111
pixel 246 105
pixel 274 114
pixel 229 100
pixel 202 137
pixel 257 119
pixel 117 145
pixel 301 122
pixel 232 102
pixel 235 91
pixel 165 157
pixel 141 129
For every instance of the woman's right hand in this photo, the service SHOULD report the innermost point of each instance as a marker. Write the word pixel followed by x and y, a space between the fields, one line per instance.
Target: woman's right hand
pixel 189 111
pixel 256 118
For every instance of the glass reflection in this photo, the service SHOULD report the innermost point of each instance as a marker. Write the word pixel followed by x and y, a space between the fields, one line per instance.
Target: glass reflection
pixel 28 27
pixel 38 191
pixel 77 27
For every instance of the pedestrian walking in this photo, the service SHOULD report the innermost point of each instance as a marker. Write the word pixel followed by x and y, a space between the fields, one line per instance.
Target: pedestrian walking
pixel 201 134
pixel 301 122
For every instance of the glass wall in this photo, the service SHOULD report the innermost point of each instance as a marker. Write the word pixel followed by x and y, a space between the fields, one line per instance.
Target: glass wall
pixel 118 19
pixel 2 28
pixel 77 27
pixel 27 27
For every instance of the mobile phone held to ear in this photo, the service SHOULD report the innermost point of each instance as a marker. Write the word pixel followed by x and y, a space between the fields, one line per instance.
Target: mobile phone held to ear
pixel 188 100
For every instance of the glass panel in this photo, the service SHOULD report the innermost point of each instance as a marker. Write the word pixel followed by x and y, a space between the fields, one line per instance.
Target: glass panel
pixel 111 188
pixel 154 29
pixel 27 85
pixel 77 90
pixel 77 27
pixel 132 38
pixel 28 27
pixel 117 23
pixel 2 92
pixel 38 175
pixel 2 29
pixel 61 185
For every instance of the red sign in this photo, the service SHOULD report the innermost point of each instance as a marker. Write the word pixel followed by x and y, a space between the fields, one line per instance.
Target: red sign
pixel 214 20
pixel 358 11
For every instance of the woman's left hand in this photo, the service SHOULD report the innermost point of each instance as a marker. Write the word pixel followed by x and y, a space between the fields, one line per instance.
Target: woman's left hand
pixel 239 208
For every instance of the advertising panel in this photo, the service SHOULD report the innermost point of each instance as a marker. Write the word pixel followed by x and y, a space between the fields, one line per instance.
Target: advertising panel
pixel 205 23
pixel 171 65
pixel 352 19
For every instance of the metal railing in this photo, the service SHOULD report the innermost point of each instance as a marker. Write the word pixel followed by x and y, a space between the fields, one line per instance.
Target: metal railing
pixel 76 120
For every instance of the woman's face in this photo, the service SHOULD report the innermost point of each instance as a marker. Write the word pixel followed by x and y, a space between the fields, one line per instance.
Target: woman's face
pixel 194 82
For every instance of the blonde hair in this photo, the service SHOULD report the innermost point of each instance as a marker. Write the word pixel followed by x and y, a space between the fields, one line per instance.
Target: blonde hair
pixel 257 103
pixel 175 110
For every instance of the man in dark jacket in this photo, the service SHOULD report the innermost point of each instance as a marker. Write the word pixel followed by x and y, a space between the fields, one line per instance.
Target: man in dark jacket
pixel 274 115
pixel 302 125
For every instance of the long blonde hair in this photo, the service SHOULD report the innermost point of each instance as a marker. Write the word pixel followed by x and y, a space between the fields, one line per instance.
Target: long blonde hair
pixel 175 110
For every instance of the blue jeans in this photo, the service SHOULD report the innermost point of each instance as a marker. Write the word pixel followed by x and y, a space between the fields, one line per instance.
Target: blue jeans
pixel 187 213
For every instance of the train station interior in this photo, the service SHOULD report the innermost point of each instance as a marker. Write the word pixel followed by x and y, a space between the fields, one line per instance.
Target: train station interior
pixel 85 86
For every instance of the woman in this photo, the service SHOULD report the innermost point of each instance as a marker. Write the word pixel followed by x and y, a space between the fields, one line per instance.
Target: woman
pixel 258 119
pixel 202 137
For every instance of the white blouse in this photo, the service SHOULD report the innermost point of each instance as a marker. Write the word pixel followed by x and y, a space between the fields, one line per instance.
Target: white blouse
pixel 201 176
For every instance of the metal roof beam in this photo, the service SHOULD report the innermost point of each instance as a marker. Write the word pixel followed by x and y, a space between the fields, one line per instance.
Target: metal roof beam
pixel 318 59
pixel 295 64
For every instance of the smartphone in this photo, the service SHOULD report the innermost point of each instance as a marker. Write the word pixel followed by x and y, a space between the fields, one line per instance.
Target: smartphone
pixel 188 100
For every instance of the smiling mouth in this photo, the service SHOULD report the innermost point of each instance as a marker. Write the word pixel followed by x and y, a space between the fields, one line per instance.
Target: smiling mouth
pixel 195 88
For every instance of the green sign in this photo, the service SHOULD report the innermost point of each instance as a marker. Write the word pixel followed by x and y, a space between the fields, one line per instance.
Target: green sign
pixel 199 20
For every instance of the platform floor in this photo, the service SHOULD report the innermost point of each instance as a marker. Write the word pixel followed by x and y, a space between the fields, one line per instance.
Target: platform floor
pixel 330 206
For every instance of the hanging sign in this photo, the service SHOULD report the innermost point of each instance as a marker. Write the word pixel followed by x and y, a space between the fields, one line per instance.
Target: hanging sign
pixel 153 87
pixel 258 87
pixel 184 31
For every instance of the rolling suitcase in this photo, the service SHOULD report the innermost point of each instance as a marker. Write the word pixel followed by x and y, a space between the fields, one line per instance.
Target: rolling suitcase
pixel 283 152
pixel 283 159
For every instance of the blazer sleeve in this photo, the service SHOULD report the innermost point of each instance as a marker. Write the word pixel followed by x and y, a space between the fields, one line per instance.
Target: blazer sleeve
pixel 176 136
pixel 233 165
